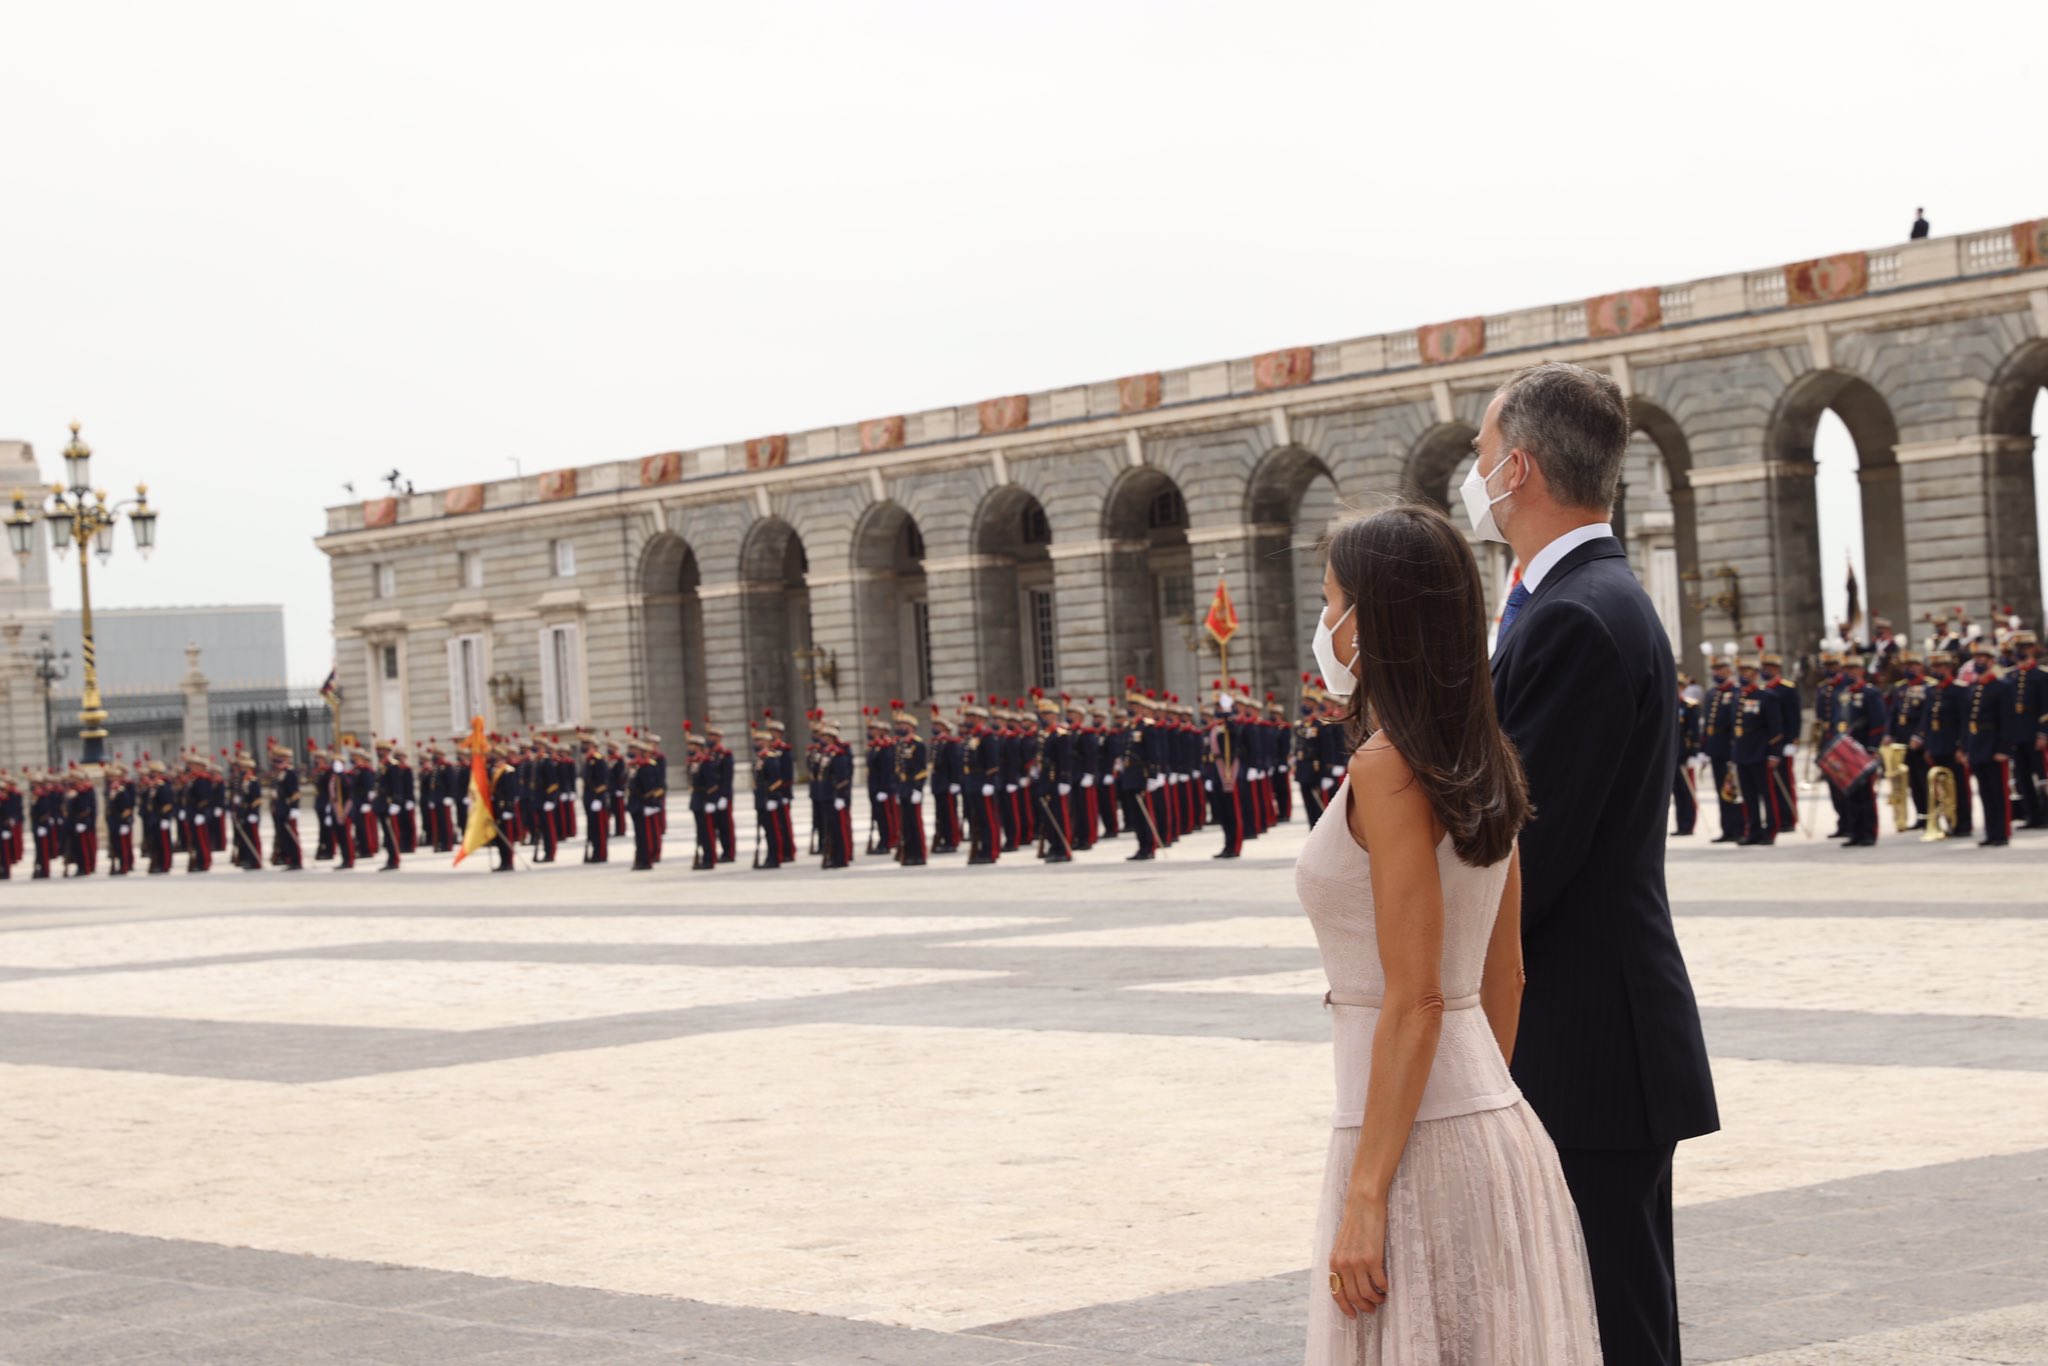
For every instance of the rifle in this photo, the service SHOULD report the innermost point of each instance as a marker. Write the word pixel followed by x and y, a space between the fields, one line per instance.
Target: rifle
pixel 761 816
pixel 1046 811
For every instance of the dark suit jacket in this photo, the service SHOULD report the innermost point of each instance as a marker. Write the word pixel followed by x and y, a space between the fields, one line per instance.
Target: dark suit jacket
pixel 1609 1053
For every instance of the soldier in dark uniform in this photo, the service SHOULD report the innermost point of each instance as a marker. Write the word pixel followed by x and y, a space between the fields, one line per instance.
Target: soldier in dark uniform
pixel 640 806
pixel 702 776
pixel 945 785
pixel 1782 764
pixel 1135 781
pixel 505 802
pixel 120 822
pixel 2025 717
pixel 1717 736
pixel 1824 726
pixel 1905 700
pixel 400 801
pixel 767 837
pixel 1222 775
pixel 910 770
pixel 838 852
pixel 1009 768
pixel 979 782
pixel 1944 719
pixel 1683 795
pixel 362 805
pixel 284 810
pixel 159 806
pixel 595 799
pixel 1989 698
pixel 721 763
pixel 198 814
pixel 11 814
pixel 1859 712
pixel 1077 775
pixel 1758 738
pixel 1307 767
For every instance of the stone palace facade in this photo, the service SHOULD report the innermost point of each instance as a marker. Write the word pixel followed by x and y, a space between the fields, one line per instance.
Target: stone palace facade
pixel 1067 538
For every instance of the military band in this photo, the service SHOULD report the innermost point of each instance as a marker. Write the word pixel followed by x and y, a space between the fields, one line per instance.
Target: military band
pixel 1955 735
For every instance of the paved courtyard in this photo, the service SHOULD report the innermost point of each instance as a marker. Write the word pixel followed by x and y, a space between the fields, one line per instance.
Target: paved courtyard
pixel 949 1115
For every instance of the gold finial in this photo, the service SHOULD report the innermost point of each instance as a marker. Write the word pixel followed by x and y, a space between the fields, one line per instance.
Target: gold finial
pixel 142 492
pixel 74 426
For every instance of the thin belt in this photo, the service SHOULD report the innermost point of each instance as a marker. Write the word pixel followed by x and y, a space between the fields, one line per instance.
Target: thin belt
pixel 1372 999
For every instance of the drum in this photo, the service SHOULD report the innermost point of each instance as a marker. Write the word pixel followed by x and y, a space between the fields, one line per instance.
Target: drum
pixel 1848 764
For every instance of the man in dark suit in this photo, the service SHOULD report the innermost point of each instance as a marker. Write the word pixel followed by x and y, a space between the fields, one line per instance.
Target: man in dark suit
pixel 1610 1053
pixel 1919 225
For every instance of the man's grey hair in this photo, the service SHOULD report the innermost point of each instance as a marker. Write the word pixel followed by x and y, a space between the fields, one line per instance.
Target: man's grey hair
pixel 1574 423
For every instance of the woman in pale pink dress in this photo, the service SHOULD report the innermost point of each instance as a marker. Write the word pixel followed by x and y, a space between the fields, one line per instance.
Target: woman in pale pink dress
pixel 1445 1234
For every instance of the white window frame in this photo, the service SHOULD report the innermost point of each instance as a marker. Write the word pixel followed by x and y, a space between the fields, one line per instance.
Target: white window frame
pixel 381 722
pixel 384 579
pixel 561 674
pixel 562 558
pixel 468 692
pixel 469 568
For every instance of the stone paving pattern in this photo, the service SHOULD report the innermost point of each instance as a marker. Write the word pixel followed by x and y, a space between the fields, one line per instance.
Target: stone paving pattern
pixel 1016 1114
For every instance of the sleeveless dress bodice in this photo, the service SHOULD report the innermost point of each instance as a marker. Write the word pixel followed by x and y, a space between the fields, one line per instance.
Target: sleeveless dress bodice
pixel 1332 877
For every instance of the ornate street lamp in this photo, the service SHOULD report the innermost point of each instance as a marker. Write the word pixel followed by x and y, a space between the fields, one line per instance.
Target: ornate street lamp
pixel 78 513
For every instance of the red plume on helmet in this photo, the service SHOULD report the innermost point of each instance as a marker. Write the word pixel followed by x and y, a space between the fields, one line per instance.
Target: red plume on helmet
pixel 1130 680
pixel 1759 642
pixel 686 723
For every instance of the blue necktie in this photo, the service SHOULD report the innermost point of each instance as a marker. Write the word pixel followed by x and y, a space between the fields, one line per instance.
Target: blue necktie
pixel 1518 598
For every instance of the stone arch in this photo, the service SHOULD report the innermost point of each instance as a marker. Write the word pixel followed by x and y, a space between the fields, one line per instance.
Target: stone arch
pixel 1154 620
pixel 1015 611
pixel 1441 452
pixel 1655 518
pixel 1290 502
pixel 672 633
pixel 892 611
pixel 2017 471
pixel 775 624
pixel 1795 513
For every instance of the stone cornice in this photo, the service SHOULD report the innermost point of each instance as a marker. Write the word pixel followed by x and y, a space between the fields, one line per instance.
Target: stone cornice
pixel 1685 339
pixel 1751 471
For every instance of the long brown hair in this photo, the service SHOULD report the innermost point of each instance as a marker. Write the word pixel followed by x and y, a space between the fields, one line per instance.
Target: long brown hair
pixel 1421 621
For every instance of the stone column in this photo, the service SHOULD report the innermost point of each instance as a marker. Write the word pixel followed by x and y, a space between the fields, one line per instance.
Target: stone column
pixel 1092 655
pixel 726 698
pixel 1759 519
pixel 198 716
pixel 956 618
pixel 1970 533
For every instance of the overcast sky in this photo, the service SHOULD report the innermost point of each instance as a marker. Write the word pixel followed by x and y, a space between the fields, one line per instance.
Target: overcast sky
pixel 264 249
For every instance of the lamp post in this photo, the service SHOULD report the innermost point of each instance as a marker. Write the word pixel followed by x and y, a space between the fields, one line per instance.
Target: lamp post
pixel 50 667
pixel 77 513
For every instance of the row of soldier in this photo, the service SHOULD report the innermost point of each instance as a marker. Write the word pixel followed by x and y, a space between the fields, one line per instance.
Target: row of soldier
pixel 1053 774
pixel 1976 715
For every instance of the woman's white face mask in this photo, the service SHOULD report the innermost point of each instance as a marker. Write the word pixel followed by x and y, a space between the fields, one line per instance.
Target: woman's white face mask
pixel 1337 678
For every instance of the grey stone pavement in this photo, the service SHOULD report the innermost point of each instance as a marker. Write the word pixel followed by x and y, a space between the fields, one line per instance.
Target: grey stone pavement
pixel 1933 1263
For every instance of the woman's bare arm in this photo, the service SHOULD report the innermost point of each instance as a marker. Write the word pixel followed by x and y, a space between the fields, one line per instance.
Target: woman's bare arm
pixel 1500 988
pixel 1392 819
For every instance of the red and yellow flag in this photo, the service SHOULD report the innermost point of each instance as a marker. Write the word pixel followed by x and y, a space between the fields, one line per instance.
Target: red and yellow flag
pixel 481 829
pixel 1222 619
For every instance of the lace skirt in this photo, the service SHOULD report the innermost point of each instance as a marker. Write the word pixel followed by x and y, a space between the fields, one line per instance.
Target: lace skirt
pixel 1485 1262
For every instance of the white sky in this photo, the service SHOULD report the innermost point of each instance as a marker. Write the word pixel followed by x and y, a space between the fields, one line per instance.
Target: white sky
pixel 262 249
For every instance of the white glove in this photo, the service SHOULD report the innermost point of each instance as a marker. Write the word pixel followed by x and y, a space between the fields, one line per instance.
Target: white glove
pixel 772 804
pixel 839 803
pixel 79 827
pixel 596 806
pixel 956 787
pixel 988 789
pixel 917 796
pixel 450 801
pixel 1087 780
pixel 1328 784
pixel 1791 750
pixel 1065 788
pixel 219 811
pixel 721 803
pixel 1208 786
pixel 547 806
pixel 650 810
pixel 1154 784
pixel 167 825
pixel 412 806
pixel 1009 787
pixel 43 830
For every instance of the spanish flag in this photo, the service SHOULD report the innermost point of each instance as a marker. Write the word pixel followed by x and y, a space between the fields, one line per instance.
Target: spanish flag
pixel 1222 619
pixel 481 829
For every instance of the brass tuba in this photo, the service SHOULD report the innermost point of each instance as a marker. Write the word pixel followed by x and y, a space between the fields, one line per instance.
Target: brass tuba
pixel 1941 803
pixel 1894 756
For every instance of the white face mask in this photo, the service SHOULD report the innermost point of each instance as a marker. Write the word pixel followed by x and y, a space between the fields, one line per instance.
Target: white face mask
pixel 1478 503
pixel 1337 678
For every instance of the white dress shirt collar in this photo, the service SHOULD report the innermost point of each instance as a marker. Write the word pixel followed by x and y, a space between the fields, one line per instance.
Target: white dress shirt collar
pixel 1546 559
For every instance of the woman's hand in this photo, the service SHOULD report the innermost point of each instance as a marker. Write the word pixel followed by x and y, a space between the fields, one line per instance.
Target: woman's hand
pixel 1358 1259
